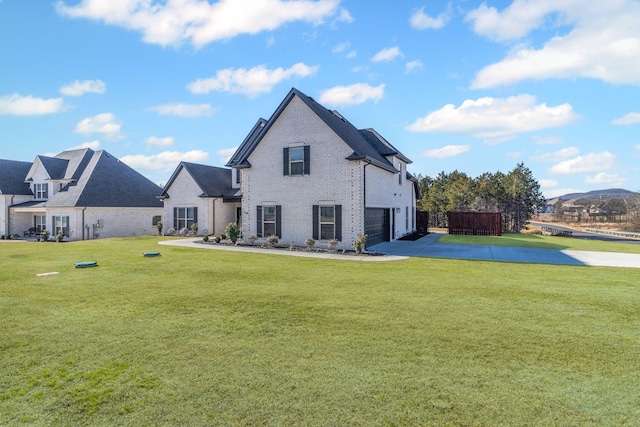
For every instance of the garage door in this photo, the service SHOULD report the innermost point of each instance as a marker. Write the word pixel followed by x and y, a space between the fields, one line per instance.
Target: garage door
pixel 376 225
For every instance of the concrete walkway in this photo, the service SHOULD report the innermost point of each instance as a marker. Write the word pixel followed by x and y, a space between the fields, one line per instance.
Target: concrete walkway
pixel 428 247
pixel 190 243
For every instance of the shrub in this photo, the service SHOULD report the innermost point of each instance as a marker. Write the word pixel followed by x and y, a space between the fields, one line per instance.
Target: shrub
pixel 309 242
pixel 360 243
pixel 171 231
pixel 194 228
pixel 45 235
pixel 332 244
pixel 253 239
pixel 232 231
pixel 159 226
pixel 218 238
pixel 273 240
pixel 59 236
pixel 184 232
pixel 205 237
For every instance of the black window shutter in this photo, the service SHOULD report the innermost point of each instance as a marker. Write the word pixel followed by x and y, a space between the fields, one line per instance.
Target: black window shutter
pixel 279 221
pixel 195 215
pixel 175 219
pixel 338 220
pixel 315 221
pixel 285 161
pixel 259 221
pixel 307 159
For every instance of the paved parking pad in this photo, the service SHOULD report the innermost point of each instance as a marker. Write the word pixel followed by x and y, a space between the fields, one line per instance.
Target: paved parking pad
pixel 429 247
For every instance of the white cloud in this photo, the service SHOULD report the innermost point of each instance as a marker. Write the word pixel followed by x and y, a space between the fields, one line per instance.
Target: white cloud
pixel 200 22
pixel 79 88
pixel 343 16
pixel 166 161
pixel 495 119
pixel 183 110
pixel 18 105
pixel 593 162
pixel 225 154
pixel 627 119
pixel 250 82
pixel 605 178
pixel 351 95
pixel 421 21
pixel 446 151
pixel 386 55
pixel 105 123
pixel 603 41
pixel 557 156
pixel 160 142
pixel 341 47
pixel 94 145
pixel 548 183
pixel 412 66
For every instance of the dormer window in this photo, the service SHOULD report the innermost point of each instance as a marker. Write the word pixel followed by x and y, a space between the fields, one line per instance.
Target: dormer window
pixel 41 191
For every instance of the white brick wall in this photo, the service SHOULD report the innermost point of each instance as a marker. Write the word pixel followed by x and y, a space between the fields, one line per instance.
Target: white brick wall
pixel 213 215
pixel 332 180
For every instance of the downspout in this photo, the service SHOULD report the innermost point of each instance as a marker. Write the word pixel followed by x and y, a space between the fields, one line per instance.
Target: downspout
pixel 364 187
pixel 7 227
pixel 83 224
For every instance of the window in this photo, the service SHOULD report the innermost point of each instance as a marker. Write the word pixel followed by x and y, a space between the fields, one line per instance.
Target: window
pixel 61 223
pixel 237 176
pixel 401 173
pixel 155 220
pixel 40 223
pixel 184 218
pixel 406 217
pixel 327 222
pixel 269 220
pixel 296 160
pixel 41 191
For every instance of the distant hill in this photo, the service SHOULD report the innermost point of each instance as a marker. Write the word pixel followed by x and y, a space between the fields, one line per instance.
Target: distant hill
pixel 611 193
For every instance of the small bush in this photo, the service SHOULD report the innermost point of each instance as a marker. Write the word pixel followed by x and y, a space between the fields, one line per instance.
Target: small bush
pixel 309 242
pixel 273 240
pixel 184 232
pixel 59 237
pixel 170 232
pixel 253 239
pixel 218 238
pixel 332 244
pixel 159 225
pixel 360 243
pixel 205 237
pixel 194 228
pixel 232 231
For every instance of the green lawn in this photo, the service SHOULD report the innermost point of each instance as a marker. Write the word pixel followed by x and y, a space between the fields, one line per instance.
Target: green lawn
pixel 542 242
pixel 200 337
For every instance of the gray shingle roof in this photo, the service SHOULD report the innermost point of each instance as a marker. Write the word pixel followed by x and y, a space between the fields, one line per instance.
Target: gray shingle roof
pixel 107 182
pixel 213 181
pixel 364 146
pixel 12 176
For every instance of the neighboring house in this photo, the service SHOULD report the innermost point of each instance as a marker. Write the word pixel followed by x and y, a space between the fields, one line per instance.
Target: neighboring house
pixel 308 172
pixel 200 194
pixel 85 194
pixel 13 190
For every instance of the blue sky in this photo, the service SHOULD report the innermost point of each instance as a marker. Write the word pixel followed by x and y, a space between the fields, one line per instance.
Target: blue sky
pixel 462 85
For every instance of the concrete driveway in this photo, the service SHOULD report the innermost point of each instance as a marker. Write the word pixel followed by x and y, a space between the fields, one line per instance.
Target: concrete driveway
pixel 428 246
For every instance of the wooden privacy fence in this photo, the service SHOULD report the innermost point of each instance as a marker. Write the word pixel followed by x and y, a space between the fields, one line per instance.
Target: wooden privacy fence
pixel 475 223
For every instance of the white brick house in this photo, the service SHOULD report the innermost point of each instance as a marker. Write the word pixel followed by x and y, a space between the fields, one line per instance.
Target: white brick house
pixel 200 194
pixel 308 172
pixel 84 194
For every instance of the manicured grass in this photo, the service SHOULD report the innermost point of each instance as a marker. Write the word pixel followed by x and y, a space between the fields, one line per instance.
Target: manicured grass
pixel 542 242
pixel 200 337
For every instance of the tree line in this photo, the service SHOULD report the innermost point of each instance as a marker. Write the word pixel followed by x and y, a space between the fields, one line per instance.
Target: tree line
pixel 515 194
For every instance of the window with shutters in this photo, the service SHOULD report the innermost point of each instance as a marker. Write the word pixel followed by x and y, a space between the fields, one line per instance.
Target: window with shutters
pixel 61 224
pixel 296 161
pixel 40 223
pixel 269 221
pixel 41 191
pixel 327 222
pixel 184 218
